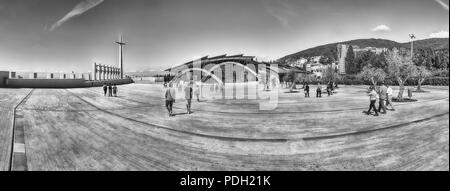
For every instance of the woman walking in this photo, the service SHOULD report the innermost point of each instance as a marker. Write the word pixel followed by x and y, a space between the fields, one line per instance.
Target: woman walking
pixel 373 96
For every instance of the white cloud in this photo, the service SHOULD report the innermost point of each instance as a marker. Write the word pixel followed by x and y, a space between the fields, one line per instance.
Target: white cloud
pixel 443 4
pixel 381 28
pixel 441 34
pixel 79 9
pixel 281 11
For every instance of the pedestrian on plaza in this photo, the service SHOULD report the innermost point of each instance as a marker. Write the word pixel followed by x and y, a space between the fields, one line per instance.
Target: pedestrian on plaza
pixel 170 99
pixel 383 97
pixel 105 89
pixel 390 93
pixel 115 90
pixel 329 88
pixel 188 96
pixel 373 97
pixel 110 89
pixel 197 92
pixel 306 90
pixel 319 91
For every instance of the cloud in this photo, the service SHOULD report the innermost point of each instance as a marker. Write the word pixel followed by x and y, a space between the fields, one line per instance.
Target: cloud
pixel 381 28
pixel 79 9
pixel 280 11
pixel 441 34
pixel 443 4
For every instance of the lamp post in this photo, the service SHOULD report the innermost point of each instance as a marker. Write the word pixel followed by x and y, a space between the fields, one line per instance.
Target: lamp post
pixel 412 37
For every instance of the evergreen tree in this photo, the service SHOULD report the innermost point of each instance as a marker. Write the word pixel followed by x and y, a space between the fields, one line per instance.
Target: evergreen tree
pixel 350 62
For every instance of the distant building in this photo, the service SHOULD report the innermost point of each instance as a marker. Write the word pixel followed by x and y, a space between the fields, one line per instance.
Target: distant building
pixel 298 63
pixel 375 50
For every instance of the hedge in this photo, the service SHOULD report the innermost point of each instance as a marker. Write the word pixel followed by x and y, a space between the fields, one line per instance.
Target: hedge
pixel 432 81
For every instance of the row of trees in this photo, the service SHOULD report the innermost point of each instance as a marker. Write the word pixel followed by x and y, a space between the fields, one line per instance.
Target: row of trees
pixel 400 66
pixel 434 60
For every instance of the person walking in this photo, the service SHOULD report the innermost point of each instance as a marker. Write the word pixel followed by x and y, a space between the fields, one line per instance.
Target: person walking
pixel 306 90
pixel 188 97
pixel 390 93
pixel 110 88
pixel 383 97
pixel 319 90
pixel 373 97
pixel 197 92
pixel 115 90
pixel 329 88
pixel 105 89
pixel 170 99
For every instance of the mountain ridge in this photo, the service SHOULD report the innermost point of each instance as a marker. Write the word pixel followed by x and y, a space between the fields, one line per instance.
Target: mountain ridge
pixel 330 50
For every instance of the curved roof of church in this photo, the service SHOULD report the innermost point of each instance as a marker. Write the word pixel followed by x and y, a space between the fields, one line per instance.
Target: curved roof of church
pixel 221 58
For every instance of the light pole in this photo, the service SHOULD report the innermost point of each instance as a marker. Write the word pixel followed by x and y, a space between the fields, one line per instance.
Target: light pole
pixel 412 37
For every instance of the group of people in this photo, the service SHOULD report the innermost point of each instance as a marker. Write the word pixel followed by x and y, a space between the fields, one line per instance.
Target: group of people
pixel 384 97
pixel 110 90
pixel 189 92
pixel 330 89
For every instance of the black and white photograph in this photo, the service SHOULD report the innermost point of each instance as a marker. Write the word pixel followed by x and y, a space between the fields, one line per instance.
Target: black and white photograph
pixel 224 85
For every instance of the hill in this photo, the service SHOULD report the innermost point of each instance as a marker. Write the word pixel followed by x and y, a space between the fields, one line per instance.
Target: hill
pixel 432 43
pixel 330 50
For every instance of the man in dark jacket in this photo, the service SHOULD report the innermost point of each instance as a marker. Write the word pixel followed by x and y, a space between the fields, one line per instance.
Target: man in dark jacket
pixel 110 89
pixel 105 88
pixel 307 90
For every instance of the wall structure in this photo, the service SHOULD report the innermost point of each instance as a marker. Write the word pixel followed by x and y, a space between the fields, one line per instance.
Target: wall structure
pixel 3 77
pixel 60 83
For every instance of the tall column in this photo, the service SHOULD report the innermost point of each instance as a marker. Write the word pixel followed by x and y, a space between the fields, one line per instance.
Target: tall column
pixel 111 73
pixel 100 73
pixel 121 44
pixel 107 72
pixel 104 72
pixel 94 72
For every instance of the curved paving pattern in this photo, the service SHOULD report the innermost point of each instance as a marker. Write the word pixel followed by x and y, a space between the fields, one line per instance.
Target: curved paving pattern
pixel 79 129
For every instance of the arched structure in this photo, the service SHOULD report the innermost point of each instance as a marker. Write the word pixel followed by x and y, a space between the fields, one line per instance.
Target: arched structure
pixel 229 69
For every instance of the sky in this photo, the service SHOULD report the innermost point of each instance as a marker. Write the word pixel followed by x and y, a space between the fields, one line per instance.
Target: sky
pixel 70 35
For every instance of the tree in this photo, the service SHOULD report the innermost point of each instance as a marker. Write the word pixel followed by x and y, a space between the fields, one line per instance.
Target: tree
pixel 372 74
pixel 350 61
pixel 292 76
pixel 422 73
pixel 363 60
pixel 401 68
pixel 379 61
pixel 331 75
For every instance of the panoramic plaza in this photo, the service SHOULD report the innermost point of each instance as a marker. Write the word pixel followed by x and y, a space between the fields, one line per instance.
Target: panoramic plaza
pixel 81 129
pixel 201 85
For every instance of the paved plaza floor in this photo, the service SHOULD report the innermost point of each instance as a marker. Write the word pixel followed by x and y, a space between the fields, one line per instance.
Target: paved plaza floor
pixel 80 129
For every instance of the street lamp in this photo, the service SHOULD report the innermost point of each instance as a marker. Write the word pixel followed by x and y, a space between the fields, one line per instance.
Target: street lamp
pixel 412 37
